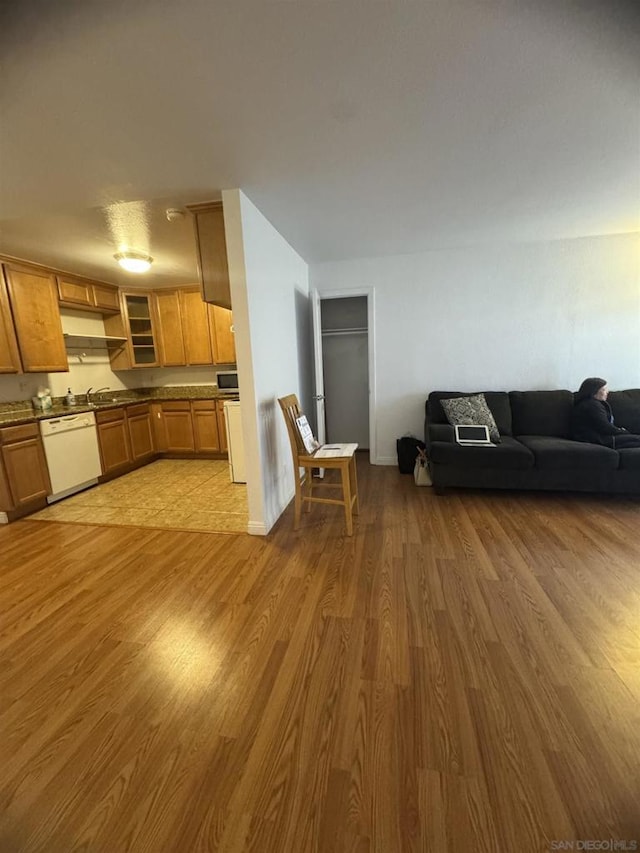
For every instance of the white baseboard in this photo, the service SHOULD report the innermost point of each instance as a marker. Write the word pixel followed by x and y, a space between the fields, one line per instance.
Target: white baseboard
pixel 257 528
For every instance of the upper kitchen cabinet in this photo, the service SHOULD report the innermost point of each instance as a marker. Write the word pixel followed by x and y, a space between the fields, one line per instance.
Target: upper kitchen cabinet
pixel 76 292
pixel 9 355
pixel 141 331
pixel 195 327
pixel 136 323
pixel 211 248
pixel 182 327
pixel 33 296
pixel 224 345
pixel 191 332
pixel 169 328
pixel 106 298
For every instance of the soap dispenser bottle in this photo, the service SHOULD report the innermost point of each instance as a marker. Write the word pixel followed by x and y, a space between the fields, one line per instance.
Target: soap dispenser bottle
pixel 70 398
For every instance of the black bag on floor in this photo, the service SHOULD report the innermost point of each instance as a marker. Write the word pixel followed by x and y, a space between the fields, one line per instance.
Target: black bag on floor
pixel 407 448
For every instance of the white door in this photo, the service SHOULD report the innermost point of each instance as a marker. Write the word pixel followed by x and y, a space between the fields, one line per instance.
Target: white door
pixel 319 373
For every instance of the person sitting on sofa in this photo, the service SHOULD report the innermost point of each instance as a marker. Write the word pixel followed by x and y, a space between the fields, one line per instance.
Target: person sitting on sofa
pixel 592 420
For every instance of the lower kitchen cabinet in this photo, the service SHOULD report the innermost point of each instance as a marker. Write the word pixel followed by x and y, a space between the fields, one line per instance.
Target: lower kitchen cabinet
pixel 189 427
pixel 158 428
pixel 140 431
pixel 113 438
pixel 178 425
pixel 205 426
pixel 128 436
pixel 24 478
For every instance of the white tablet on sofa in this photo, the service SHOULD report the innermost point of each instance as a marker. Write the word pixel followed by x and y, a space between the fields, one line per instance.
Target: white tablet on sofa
pixel 473 435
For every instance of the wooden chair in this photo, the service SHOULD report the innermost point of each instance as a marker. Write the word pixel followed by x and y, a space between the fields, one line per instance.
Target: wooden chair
pixel 305 484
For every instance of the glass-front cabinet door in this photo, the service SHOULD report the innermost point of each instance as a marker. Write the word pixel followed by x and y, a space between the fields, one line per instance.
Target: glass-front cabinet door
pixel 144 351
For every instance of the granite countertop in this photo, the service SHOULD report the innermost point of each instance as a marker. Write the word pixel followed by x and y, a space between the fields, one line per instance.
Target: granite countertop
pixel 21 412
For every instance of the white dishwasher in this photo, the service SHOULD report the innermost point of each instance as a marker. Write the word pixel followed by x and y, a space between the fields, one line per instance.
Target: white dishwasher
pixel 73 458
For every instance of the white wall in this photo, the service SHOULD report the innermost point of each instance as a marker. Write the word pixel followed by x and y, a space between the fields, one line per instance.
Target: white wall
pixel 539 315
pixel 269 288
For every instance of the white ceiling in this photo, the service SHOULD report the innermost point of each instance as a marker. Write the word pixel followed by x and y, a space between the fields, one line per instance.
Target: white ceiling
pixel 358 127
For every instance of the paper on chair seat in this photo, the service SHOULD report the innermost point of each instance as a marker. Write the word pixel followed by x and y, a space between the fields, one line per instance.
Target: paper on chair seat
pixel 328 451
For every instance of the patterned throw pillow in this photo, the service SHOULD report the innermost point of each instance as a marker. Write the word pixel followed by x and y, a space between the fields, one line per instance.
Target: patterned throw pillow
pixel 471 410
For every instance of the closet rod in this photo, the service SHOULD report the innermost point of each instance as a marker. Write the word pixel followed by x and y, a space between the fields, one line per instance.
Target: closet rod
pixel 358 331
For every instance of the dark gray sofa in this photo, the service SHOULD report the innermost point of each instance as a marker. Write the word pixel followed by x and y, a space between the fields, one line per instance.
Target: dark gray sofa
pixel 535 451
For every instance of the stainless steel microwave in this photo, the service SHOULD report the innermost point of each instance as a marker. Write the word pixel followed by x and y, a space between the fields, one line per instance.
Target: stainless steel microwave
pixel 227 381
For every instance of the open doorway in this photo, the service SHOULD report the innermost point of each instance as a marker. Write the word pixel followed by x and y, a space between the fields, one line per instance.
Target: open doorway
pixel 346 368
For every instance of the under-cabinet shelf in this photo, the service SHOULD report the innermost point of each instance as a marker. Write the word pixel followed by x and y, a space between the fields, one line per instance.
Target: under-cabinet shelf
pixel 73 341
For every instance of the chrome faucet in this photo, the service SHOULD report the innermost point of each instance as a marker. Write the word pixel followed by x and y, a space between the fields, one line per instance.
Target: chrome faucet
pixel 90 390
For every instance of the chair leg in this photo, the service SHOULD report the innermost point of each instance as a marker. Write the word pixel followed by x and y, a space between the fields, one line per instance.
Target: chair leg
pixel 346 494
pixel 308 487
pixel 354 485
pixel 298 502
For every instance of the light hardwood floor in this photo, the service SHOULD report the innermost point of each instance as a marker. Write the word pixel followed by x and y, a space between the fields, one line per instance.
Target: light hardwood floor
pixel 461 675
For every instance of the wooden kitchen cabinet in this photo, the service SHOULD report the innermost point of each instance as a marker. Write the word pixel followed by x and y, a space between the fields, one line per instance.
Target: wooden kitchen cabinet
pixel 140 431
pixel 81 294
pixel 185 327
pixel 205 426
pixel 178 425
pixel 24 467
pixel 106 298
pixel 223 340
pixel 33 296
pixel 211 247
pixel 75 292
pixel 158 428
pixel 170 337
pixel 195 326
pixel 113 439
pixel 136 322
pixel 140 330
pixel 9 355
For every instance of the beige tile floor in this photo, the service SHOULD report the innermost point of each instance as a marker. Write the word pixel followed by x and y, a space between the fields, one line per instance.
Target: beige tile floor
pixel 175 494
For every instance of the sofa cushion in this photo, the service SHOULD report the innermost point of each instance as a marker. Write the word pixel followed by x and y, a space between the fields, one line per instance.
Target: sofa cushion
pixel 625 406
pixel 509 455
pixel 552 452
pixel 541 412
pixel 471 410
pixel 497 401
pixel 630 460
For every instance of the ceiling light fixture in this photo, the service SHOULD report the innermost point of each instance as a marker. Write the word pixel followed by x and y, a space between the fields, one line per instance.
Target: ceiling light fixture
pixel 134 261
pixel 174 214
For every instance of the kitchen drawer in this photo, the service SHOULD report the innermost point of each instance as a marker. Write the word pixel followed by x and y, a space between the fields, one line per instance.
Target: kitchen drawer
pixel 137 410
pixel 204 405
pixel 18 433
pixel 109 415
pixel 176 406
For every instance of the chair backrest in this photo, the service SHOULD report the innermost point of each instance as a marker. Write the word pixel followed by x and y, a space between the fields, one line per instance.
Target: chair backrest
pixel 291 410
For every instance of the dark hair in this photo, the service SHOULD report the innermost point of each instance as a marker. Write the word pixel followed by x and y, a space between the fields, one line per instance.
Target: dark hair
pixel 589 387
